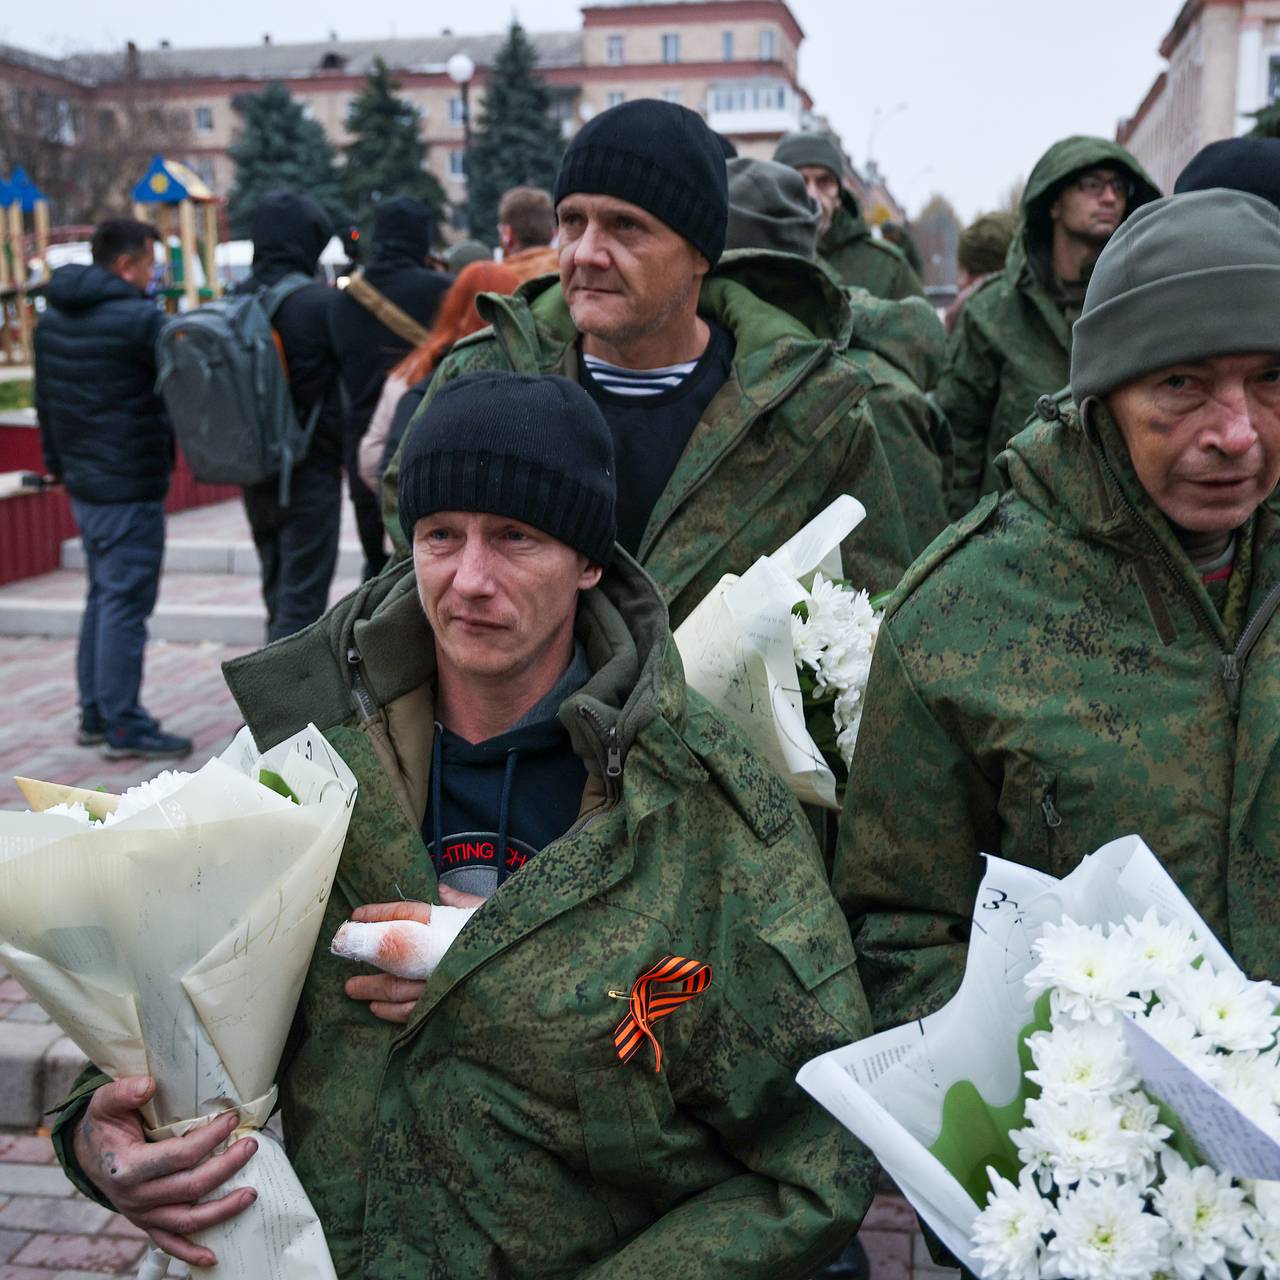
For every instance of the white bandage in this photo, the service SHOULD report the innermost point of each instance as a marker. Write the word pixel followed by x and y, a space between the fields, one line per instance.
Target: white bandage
pixel 405 948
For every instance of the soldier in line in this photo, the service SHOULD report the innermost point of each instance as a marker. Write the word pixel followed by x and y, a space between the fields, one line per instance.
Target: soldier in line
pixel 1013 340
pixel 1095 652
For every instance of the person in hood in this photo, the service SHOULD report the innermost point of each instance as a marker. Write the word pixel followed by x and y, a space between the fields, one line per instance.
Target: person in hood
pixel 107 439
pixel 846 244
pixel 1012 342
pixel 370 338
pixel 735 418
pixel 980 253
pixel 298 544
pixel 526 227
pixel 1095 652
pixel 514 710
pixel 898 345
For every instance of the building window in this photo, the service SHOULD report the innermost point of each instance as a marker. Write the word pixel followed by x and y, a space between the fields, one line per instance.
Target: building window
pixel 671 95
pixel 202 167
pixel 1273 79
pixel 457 112
pixel 457 164
pixel 203 119
pixel 614 98
pixel 768 44
pixel 671 47
pixel 613 50
pixel 757 97
pixel 726 46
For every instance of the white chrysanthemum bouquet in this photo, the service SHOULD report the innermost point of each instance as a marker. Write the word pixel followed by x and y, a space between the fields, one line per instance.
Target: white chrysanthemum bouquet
pixel 1099 1101
pixel 784 651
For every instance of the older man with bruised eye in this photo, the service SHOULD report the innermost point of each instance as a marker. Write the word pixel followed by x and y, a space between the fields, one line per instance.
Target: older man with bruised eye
pixel 1095 652
pixel 513 706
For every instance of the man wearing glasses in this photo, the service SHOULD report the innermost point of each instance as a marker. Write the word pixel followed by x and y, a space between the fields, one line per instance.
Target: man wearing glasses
pixel 1012 343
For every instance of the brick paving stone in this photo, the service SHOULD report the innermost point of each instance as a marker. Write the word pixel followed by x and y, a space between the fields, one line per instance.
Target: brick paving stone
pixel 89 1253
pixel 41 1213
pixel 33 1180
pixel 26 1148
pixel 25 1273
pixel 11 1242
pixel 889 1253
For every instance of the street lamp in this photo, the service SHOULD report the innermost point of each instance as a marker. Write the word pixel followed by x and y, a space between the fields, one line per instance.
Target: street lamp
pixel 461 68
pixel 878 117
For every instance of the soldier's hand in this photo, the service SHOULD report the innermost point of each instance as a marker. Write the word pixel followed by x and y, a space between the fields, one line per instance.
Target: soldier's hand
pixel 156 1185
pixel 391 998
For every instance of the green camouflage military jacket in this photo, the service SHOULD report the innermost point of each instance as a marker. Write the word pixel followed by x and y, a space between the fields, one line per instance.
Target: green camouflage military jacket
pixel 786 434
pixel 1012 341
pixel 899 345
pixel 1054 675
pixel 857 257
pixel 498 1134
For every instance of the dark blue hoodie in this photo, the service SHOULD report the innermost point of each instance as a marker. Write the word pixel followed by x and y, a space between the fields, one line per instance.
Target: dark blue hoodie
pixel 103 427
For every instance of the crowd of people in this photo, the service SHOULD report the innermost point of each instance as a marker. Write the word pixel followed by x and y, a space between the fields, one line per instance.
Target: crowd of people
pixel 682 357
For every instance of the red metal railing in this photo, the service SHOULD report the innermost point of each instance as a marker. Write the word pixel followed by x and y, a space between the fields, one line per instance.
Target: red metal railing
pixel 33 526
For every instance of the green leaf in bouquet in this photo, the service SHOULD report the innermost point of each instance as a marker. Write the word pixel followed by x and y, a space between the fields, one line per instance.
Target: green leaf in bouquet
pixel 274 782
pixel 975 1133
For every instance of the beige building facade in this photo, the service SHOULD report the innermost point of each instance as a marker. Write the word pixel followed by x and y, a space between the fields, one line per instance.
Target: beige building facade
pixel 1223 63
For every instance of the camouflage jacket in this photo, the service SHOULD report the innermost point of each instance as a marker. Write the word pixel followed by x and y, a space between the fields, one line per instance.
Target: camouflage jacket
pixel 899 346
pixel 1053 675
pixel 788 432
pixel 857 257
pixel 1012 341
pixel 498 1134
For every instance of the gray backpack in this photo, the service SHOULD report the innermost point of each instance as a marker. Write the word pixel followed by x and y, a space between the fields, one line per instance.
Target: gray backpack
pixel 222 375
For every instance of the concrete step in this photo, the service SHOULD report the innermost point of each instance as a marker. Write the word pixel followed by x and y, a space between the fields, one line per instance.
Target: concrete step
pixel 217 555
pixel 222 607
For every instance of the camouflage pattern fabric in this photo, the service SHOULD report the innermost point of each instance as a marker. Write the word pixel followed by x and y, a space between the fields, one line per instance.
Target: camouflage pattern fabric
pixel 856 257
pixel 1012 341
pixel 786 434
pixel 899 346
pixel 498 1134
pixel 1051 677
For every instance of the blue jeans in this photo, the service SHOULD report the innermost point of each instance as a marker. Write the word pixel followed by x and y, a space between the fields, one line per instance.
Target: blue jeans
pixel 124 547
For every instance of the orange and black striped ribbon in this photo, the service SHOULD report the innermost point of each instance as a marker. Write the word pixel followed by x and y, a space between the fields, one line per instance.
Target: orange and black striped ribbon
pixel 656 993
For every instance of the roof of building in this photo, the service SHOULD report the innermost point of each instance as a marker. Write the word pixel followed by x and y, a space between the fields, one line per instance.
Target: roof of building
pixel 272 61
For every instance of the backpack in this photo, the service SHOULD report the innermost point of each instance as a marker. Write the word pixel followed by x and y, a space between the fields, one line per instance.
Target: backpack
pixel 222 374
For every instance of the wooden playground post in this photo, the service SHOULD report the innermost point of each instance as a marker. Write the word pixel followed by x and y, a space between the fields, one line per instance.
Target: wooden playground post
pixel 169 193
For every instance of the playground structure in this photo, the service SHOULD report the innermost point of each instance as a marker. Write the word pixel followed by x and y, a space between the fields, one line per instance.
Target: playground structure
pixel 168 196
pixel 20 198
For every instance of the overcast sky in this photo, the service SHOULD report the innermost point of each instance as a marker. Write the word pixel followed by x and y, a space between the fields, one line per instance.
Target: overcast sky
pixel 984 86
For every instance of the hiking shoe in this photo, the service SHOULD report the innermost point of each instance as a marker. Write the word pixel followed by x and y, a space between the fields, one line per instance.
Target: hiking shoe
pixel 92 731
pixel 152 744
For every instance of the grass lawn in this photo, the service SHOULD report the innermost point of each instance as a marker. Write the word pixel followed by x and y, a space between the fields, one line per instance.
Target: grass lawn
pixel 16 395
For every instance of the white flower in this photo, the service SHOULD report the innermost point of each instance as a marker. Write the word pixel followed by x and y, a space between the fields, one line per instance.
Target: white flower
pixel 1261 1249
pixel 1206 1214
pixel 1251 1081
pixel 134 800
pixel 1165 951
pixel 1172 1028
pixel 1232 1011
pixel 1089 1056
pixel 1091 975
pixel 1074 1137
pixel 1008 1235
pixel 1144 1135
pixel 1102 1232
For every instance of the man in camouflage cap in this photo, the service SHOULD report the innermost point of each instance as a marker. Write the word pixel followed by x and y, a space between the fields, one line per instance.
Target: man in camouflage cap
pixel 734 418
pixel 980 253
pixel 845 243
pixel 1095 653
pixel 1013 340
pixel 513 707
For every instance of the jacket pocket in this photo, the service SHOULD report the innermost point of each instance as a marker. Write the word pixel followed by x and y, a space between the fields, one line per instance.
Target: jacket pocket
pixel 1044 819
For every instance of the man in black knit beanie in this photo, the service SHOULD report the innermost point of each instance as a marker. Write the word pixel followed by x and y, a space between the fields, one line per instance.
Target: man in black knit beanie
pixel 734 416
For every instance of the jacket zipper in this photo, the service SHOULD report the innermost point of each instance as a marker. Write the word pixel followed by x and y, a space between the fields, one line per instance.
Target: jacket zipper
pixel 1233 660
pixel 1052 818
pixel 609 736
pixel 359 691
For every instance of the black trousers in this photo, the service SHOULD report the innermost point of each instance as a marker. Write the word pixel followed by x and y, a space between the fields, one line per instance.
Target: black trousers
pixel 297 545
pixel 368 508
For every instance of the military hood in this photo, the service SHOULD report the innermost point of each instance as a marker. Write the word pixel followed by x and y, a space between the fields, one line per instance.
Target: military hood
pixel 1035 229
pixel 907 333
pixel 79 285
pixel 381 630
pixel 290 231
pixel 847 225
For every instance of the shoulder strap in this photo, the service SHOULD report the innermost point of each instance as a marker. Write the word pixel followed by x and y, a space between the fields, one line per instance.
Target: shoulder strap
pixel 285 287
pixel 385 311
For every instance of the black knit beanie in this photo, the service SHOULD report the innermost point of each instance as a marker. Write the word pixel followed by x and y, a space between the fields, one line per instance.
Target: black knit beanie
pixel 535 449
pixel 657 155
pixel 1243 164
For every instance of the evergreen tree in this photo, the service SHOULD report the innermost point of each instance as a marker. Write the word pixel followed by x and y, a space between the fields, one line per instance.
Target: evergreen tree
pixel 387 156
pixel 280 148
pixel 515 142
pixel 1268 121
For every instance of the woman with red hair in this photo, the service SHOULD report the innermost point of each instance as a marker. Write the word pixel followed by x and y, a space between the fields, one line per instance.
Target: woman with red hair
pixel 407 382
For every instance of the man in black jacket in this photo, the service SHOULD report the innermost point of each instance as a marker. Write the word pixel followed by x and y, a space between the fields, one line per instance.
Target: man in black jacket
pixel 106 437
pixel 369 338
pixel 298 544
